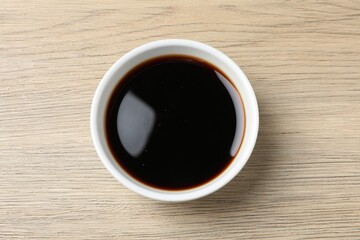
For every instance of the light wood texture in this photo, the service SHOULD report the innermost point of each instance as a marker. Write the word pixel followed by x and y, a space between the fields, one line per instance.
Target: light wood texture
pixel 302 58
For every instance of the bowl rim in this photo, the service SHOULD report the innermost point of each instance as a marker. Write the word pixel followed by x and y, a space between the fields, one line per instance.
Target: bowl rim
pixel 251 130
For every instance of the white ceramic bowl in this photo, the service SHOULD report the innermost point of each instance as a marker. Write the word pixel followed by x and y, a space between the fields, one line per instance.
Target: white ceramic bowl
pixel 169 47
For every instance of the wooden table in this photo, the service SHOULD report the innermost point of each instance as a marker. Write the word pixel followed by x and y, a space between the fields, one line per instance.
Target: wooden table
pixel 302 58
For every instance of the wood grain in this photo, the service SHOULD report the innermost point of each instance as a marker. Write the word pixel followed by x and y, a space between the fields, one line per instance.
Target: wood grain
pixel 302 58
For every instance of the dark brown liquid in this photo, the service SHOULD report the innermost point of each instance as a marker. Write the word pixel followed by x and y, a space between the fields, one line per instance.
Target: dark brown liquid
pixel 174 122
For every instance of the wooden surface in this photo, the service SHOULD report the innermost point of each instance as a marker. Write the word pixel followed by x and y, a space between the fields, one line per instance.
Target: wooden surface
pixel 302 58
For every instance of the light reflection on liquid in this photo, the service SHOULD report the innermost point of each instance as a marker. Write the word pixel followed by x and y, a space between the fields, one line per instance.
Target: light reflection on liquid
pixel 135 123
pixel 239 113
